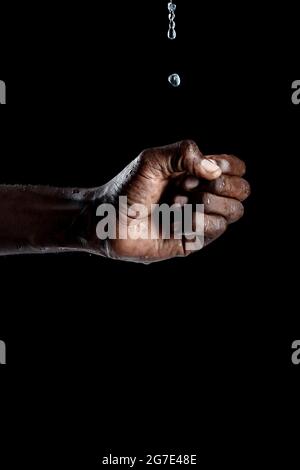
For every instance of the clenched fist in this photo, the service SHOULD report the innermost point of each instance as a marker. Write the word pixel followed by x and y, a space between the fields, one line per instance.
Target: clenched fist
pixel 176 174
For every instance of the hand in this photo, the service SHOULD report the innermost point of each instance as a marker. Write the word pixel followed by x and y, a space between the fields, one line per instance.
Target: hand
pixel 179 174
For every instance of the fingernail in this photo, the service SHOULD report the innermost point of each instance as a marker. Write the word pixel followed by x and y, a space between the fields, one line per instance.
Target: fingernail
pixel 191 183
pixel 210 165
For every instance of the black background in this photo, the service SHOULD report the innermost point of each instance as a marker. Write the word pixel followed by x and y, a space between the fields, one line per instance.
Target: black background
pixel 105 356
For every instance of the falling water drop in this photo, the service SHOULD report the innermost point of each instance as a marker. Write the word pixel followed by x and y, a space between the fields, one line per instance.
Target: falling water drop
pixel 172 34
pixel 174 80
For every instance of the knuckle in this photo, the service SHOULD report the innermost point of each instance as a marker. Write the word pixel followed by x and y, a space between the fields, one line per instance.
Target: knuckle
pixel 188 153
pixel 144 155
pixel 221 225
pixel 189 148
pixel 189 144
pixel 241 165
pixel 220 185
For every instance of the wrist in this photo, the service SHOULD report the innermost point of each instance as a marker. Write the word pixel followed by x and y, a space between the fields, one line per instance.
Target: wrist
pixel 57 217
pixel 89 220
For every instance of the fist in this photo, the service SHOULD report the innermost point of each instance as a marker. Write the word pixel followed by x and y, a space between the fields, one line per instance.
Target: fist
pixel 176 174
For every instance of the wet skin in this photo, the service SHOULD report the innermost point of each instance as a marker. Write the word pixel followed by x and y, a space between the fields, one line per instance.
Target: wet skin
pixel 36 219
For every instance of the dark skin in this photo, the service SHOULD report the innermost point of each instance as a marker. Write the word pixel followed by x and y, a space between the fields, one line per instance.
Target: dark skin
pixel 35 219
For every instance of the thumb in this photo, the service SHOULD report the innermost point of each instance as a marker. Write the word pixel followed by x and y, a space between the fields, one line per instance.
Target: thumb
pixel 185 157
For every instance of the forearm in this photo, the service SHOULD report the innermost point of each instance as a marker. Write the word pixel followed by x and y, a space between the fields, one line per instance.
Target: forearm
pixel 42 219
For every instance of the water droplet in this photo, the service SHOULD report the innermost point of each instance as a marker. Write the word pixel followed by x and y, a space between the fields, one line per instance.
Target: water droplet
pixel 172 34
pixel 174 80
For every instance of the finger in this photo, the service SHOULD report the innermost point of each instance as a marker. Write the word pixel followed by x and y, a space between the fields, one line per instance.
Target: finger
pixel 230 208
pixel 189 183
pixel 229 164
pixel 227 207
pixel 209 226
pixel 206 228
pixel 214 226
pixel 184 157
pixel 229 186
